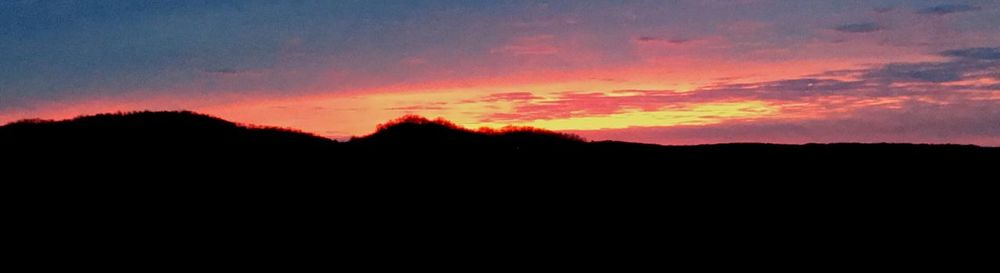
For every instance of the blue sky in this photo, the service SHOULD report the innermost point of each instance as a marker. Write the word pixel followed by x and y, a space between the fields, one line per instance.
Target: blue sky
pixel 61 58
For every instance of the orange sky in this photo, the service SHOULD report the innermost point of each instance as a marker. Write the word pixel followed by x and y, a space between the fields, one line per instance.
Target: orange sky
pixel 920 71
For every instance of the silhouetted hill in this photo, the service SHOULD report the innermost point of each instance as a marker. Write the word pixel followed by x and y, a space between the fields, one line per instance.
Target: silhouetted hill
pixel 184 176
pixel 139 132
pixel 418 133
pixel 151 139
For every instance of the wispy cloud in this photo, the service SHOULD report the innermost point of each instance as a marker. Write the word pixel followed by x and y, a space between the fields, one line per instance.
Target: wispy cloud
pixel 510 97
pixel 967 83
pixel 378 59
pixel 914 121
pixel 651 39
pixel 979 53
pixel 859 28
pixel 948 9
pixel 881 10
pixel 414 108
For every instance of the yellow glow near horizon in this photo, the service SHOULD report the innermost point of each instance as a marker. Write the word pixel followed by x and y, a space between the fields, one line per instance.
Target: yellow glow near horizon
pixel 694 115
pixel 357 112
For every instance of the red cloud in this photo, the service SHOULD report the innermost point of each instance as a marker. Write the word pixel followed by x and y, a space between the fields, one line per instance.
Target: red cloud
pixel 958 83
pixel 512 96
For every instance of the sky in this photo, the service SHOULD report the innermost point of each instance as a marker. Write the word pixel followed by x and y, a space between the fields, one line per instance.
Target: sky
pixel 667 72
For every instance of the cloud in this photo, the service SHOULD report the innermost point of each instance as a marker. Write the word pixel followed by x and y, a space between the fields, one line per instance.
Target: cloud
pixel 917 122
pixel 565 106
pixel 948 9
pixel 967 63
pixel 647 39
pixel 964 65
pixel 511 96
pixel 227 71
pixel 651 39
pixel 782 90
pixel 943 81
pixel 917 72
pixel 881 10
pixel 224 52
pixel 980 53
pixel 430 106
pixel 859 28
pixel 412 108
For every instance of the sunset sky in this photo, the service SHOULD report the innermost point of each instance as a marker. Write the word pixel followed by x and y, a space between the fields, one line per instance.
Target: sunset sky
pixel 668 72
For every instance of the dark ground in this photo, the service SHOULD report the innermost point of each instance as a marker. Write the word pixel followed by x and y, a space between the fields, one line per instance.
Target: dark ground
pixel 171 140
pixel 160 152
pixel 420 193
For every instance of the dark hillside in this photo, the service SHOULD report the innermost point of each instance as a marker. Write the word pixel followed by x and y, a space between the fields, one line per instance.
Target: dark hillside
pixel 165 139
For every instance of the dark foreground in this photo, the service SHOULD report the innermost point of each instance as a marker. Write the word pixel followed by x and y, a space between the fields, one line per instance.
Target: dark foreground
pixel 420 193
pixel 173 143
